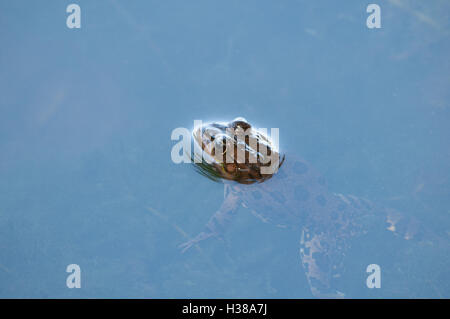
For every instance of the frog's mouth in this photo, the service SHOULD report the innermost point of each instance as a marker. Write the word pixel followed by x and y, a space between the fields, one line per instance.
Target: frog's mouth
pixel 234 151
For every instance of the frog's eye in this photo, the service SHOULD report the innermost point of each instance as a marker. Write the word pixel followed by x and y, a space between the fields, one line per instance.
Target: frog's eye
pixel 240 118
pixel 211 133
pixel 240 122
pixel 221 142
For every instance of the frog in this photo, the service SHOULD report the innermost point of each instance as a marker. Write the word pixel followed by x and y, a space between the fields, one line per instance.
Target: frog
pixel 295 196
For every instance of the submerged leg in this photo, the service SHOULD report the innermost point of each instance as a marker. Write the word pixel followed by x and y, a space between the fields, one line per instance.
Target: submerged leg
pixel 332 234
pixel 321 262
pixel 219 222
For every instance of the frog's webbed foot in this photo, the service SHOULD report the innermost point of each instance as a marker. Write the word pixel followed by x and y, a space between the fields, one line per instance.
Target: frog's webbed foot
pixel 200 237
pixel 321 259
pixel 330 295
pixel 259 216
pixel 185 246
pixel 402 225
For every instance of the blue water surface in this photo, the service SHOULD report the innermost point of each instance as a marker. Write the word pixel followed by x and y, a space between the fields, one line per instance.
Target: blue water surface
pixel 86 116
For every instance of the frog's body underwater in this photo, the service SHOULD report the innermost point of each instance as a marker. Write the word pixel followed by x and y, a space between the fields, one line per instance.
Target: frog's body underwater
pixel 297 197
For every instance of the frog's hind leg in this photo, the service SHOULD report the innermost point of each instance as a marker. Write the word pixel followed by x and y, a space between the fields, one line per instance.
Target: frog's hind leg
pixel 319 265
pixel 400 224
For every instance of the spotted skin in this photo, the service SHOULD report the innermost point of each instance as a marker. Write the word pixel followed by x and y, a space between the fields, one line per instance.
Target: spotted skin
pixel 297 197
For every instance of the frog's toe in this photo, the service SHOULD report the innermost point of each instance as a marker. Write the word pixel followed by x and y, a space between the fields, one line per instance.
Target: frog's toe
pixel 329 295
pixel 185 246
pixel 200 237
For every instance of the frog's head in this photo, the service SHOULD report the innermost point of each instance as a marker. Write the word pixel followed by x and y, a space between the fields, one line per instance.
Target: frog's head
pixel 235 151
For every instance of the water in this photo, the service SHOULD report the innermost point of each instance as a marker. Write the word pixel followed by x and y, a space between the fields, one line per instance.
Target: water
pixel 86 118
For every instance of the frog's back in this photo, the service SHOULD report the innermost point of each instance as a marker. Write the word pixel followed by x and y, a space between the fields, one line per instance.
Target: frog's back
pixel 296 192
pixel 298 197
